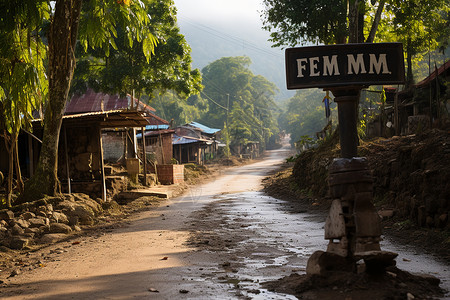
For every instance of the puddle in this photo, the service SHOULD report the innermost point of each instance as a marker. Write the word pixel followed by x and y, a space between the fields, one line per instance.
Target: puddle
pixel 275 243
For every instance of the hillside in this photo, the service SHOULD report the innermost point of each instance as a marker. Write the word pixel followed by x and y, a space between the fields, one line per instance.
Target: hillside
pixel 210 42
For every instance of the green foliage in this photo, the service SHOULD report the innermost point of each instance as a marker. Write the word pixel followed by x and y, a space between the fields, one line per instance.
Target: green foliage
pixel 23 86
pixel 240 99
pixel 226 139
pixel 170 106
pixel 127 67
pixel 23 78
pixel 299 22
pixel 420 25
pixel 305 114
pixel 304 143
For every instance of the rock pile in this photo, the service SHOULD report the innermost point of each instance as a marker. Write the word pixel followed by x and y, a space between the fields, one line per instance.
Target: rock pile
pixel 410 175
pixel 46 221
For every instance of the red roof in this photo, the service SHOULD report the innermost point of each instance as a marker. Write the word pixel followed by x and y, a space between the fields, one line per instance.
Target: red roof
pixel 92 102
pixel 99 102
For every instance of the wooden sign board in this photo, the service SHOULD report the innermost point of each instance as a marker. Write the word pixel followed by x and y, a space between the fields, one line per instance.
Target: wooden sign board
pixel 345 65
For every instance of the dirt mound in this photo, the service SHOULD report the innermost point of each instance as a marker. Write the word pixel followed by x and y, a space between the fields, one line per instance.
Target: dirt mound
pixel 394 284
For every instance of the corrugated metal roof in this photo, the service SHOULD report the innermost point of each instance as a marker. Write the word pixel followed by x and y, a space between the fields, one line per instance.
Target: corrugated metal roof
pixel 204 128
pixel 92 101
pixel 99 103
pixel 155 133
pixel 156 127
pixel 104 119
pixel 180 140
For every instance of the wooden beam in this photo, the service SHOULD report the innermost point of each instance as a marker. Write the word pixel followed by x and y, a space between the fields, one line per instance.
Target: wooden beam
pixel 102 165
pixel 145 155
pixel 66 155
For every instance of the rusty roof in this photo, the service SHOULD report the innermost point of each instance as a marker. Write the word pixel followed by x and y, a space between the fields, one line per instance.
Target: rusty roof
pixel 104 119
pixel 94 102
pixel 91 105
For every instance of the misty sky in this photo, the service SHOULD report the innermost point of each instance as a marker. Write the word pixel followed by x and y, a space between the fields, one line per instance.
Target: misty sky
pixel 218 28
pixel 221 11
pixel 239 18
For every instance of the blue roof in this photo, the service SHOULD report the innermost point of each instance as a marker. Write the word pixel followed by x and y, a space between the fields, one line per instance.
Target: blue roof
pixel 156 127
pixel 204 128
pixel 180 140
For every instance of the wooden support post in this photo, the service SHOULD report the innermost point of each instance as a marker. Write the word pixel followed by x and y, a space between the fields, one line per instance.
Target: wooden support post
pixel 66 152
pixel 102 165
pixel 347 101
pixel 144 149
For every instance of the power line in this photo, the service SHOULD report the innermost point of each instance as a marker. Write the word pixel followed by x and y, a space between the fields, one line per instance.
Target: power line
pixel 230 38
pixel 210 99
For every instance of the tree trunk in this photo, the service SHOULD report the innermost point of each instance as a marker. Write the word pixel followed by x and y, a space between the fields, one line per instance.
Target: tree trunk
pixel 17 165
pixel 376 22
pixel 9 181
pixel 360 16
pixel 409 73
pixel 353 21
pixel 61 56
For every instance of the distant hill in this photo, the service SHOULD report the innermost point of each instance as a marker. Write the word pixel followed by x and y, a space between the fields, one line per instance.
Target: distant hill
pixel 210 42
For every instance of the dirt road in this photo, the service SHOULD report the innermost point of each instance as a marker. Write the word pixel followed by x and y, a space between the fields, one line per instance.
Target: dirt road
pixel 221 240
pixel 165 253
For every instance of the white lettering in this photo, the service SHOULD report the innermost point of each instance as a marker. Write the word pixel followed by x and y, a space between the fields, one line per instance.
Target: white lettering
pixel 356 65
pixel 377 64
pixel 330 68
pixel 313 66
pixel 300 66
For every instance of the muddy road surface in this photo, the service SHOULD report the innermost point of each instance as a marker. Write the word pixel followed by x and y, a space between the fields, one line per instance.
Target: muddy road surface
pixel 221 240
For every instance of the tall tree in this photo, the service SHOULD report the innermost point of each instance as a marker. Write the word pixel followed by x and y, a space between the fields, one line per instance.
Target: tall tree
pixel 22 84
pixel 125 68
pixel 293 22
pixel 418 25
pixel 98 27
pixel 241 100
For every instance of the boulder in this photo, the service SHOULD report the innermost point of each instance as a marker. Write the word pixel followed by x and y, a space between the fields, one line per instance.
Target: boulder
pixel 52 238
pixel 37 222
pixel 28 215
pixel 18 243
pixel 34 230
pixel 6 214
pixel 321 262
pixel 59 217
pixel 17 230
pixel 23 223
pixel 60 228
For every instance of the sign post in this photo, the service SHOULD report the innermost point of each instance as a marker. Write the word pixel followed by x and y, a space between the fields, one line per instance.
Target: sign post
pixel 352 226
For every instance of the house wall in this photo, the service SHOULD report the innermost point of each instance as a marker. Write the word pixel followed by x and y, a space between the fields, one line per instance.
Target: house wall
pixel 167 148
pixel 83 150
pixel 113 145
pixel 161 147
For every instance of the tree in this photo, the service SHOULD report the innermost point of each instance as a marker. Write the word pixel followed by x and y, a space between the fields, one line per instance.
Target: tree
pixel 97 29
pixel 304 114
pixel 329 22
pixel 126 68
pixel 170 106
pixel 241 100
pixel 293 22
pixel 22 84
pixel 419 26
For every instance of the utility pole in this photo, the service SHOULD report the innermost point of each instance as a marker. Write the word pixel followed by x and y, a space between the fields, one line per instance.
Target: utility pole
pixel 228 107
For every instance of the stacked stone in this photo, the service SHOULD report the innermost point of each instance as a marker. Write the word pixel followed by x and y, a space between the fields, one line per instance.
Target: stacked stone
pixel 46 221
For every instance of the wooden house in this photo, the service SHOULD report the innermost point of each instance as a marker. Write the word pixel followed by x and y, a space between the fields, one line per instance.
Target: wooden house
pixel 195 143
